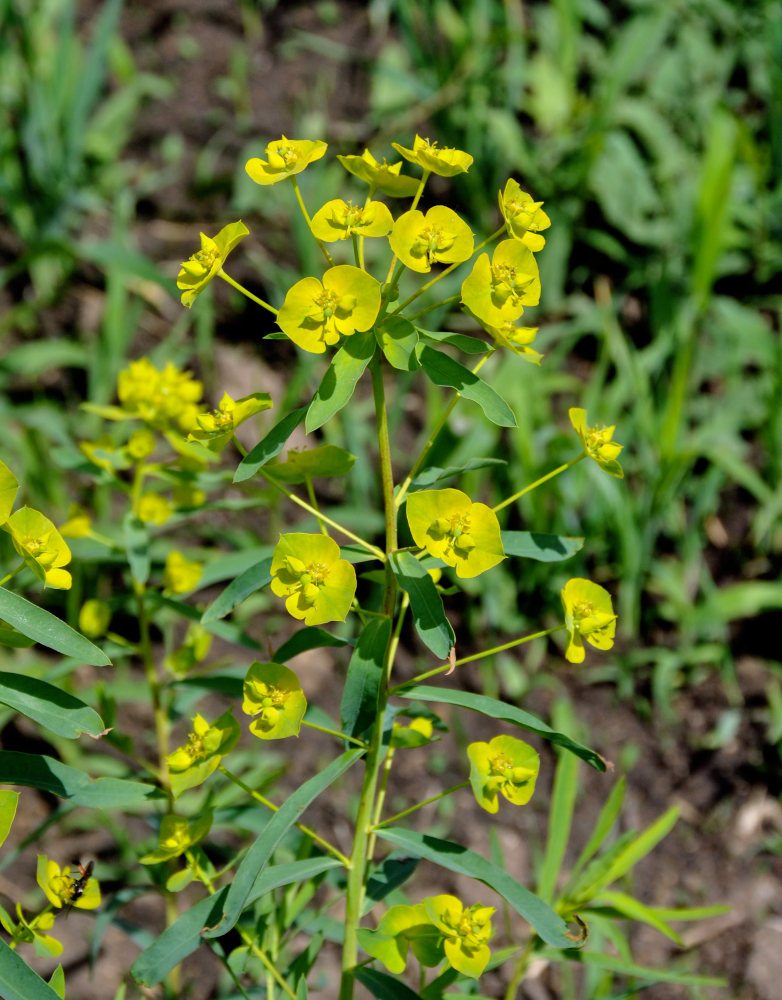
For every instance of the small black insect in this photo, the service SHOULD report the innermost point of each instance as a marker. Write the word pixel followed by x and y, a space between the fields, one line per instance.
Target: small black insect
pixel 80 884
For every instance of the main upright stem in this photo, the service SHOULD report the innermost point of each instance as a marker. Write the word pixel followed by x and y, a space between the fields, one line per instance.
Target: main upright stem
pixel 359 858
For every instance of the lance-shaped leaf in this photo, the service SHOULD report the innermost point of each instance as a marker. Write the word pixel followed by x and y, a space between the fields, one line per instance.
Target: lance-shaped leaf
pixel 49 706
pixel 238 590
pixel 18 981
pixel 270 446
pixel 456 858
pixel 544 548
pixel 43 627
pixel 426 604
pixel 339 381
pixel 500 711
pixel 359 697
pixel 49 775
pixel 444 371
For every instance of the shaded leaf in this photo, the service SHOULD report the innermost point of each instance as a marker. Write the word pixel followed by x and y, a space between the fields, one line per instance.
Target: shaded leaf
pixel 44 628
pixel 359 696
pixel 270 446
pixel 49 706
pixel 544 548
pixel 444 371
pixel 340 379
pixel 426 603
pixel 238 590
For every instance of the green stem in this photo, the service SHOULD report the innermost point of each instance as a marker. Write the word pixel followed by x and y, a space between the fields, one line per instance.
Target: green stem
pixel 420 805
pixel 11 574
pixel 314 501
pixel 539 482
pixel 376 552
pixel 244 291
pixel 334 732
pixel 520 969
pixel 335 852
pixel 475 656
pixel 308 220
pixel 435 305
pixel 402 491
pixel 361 855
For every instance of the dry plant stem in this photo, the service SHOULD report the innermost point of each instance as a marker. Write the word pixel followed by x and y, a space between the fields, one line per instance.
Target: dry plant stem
pixel 333 851
pixel 244 291
pixel 539 482
pixel 433 436
pixel 363 836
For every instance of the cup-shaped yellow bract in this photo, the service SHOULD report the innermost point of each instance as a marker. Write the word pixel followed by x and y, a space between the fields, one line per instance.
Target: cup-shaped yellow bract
pixel 400 927
pixel 504 766
pixel 339 220
pixel 517 339
pixel 441 236
pixel 597 442
pixel 466 932
pixel 589 614
pixel 524 218
pixel 9 486
pixel 41 545
pixel 216 429
pixel 159 398
pixel 58 886
pixel 197 271
pixel 443 161
pixel 272 693
pixel 417 733
pixel 177 835
pixel 317 584
pixel 497 292
pixel 33 931
pixel 206 746
pixel 284 157
pixel 317 313
pixel 180 574
pixel 451 527
pixel 382 177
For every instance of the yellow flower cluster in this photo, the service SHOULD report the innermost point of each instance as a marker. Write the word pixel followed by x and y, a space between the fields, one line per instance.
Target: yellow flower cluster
pixel 160 398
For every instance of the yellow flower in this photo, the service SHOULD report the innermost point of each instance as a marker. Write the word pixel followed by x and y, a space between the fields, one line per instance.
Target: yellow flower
pixel 216 429
pixel 180 574
pixel 94 618
pixel 589 614
pixel 177 835
pixel 141 444
pixel 159 398
pixel 451 527
pixel 63 889
pixel 598 442
pixel 197 271
pixel 496 293
pixel 524 218
pixel 440 236
pixel 505 765
pixel 200 756
pixel 41 546
pixel 9 486
pixel 517 339
pixel 467 931
pixel 316 314
pixel 79 523
pixel 446 161
pixel 382 177
pixel 284 157
pixel 154 508
pixel 318 586
pixel 273 693
pixel 338 220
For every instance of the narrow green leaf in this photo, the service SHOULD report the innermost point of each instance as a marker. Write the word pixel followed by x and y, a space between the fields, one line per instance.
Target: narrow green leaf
pixel 549 925
pixel 49 706
pixel 18 981
pixel 426 604
pixel 544 548
pixel 325 461
pixel 434 475
pixel 310 637
pixel 340 379
pixel 136 539
pixel 635 910
pixel 392 872
pixel 398 339
pixel 49 775
pixel 239 590
pixel 499 710
pixel 290 872
pixel 8 801
pixel 461 341
pixel 270 446
pixel 43 627
pixel 178 940
pixel 560 817
pixel 605 821
pixel 383 986
pixel 624 968
pixel 444 371
pixel 260 852
pixel 642 845
pixel 359 696
pixel 231 564
pixel 690 912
